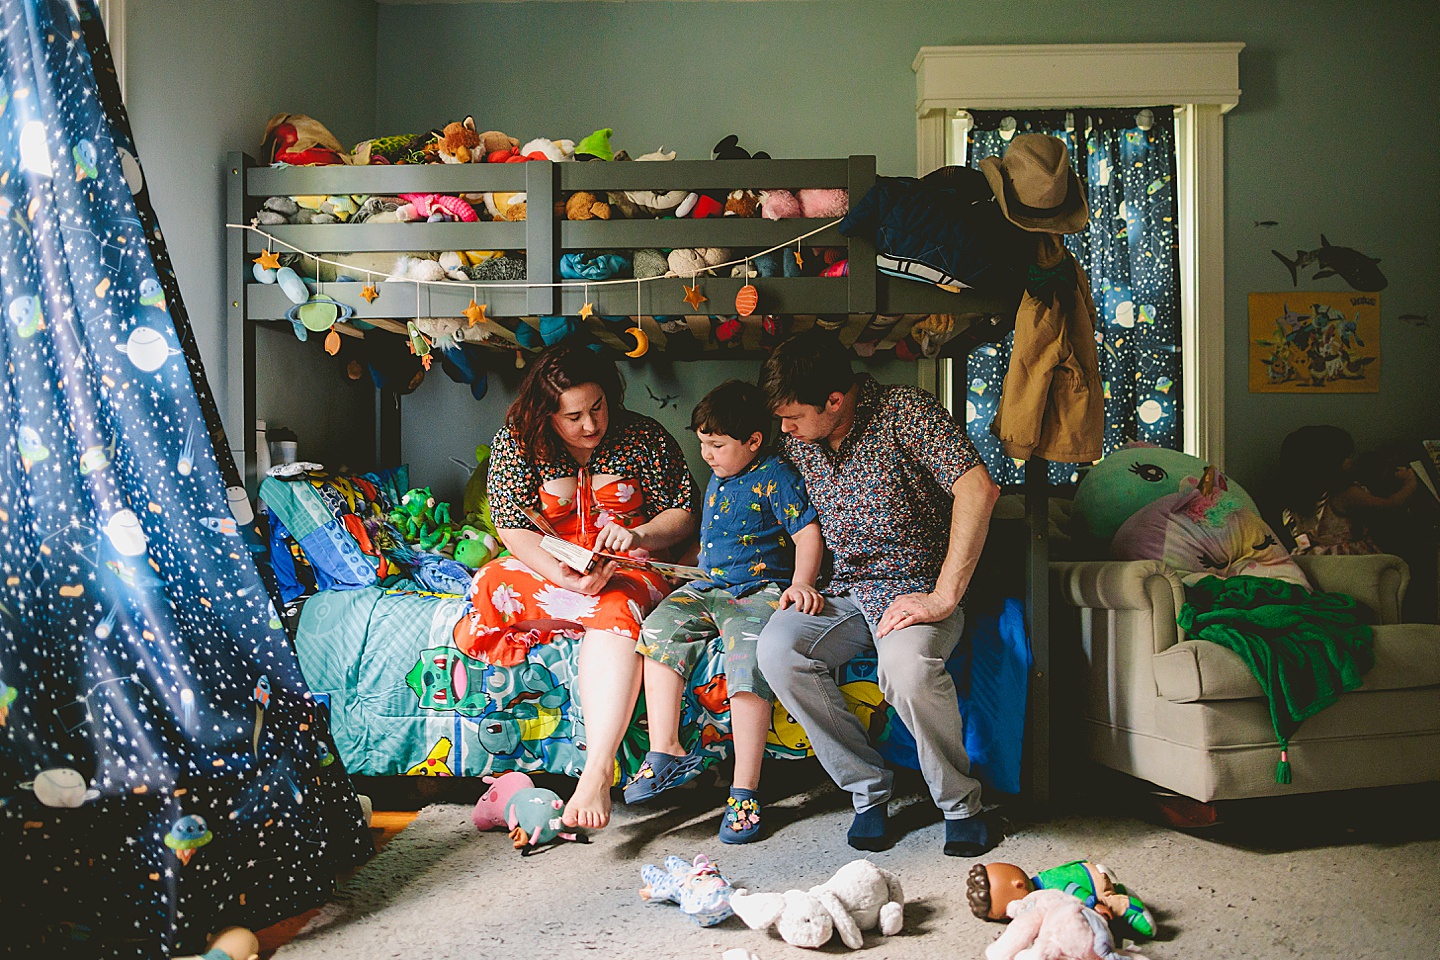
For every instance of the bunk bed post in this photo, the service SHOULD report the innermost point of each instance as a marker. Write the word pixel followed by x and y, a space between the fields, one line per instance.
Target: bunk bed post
pixel 861 247
pixel 542 236
pixel 239 414
pixel 1037 624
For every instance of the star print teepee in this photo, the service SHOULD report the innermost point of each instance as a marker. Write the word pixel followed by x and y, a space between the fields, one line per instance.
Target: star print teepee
pixel 164 771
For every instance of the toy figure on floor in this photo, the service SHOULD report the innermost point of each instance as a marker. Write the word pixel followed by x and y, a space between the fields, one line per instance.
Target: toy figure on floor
pixel 1324 503
pixel 698 888
pixel 992 887
pixel 531 813
pixel 1050 925
pixel 232 943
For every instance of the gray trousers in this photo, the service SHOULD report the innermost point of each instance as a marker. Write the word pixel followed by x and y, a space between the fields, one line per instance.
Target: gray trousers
pixel 798 655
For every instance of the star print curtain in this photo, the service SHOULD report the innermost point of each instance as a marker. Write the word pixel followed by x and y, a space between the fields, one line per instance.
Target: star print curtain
pixel 1130 251
pixel 164 771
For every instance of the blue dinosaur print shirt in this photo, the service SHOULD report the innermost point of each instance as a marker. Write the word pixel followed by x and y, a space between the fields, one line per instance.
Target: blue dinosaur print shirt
pixel 748 524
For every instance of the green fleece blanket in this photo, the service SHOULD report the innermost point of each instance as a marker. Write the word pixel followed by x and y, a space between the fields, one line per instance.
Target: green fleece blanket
pixel 1304 648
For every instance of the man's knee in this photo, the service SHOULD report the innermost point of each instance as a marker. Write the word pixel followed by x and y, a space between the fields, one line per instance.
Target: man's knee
pixel 778 653
pixel 906 671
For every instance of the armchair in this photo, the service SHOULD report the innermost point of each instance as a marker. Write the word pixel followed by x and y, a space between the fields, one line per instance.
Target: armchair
pixel 1189 716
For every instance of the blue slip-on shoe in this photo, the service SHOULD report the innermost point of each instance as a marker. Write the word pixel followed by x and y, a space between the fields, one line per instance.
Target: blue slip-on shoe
pixel 740 823
pixel 658 773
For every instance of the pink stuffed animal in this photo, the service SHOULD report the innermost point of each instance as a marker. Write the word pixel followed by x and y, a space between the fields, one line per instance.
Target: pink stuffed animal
pixel 814 203
pixel 490 808
pixel 1053 925
pixel 419 206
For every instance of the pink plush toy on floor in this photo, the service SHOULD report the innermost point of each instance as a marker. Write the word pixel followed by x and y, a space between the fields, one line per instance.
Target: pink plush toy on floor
pixel 1051 925
pixel 530 813
pixel 490 808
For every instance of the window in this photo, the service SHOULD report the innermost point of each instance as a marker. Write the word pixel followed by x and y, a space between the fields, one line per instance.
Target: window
pixel 1202 80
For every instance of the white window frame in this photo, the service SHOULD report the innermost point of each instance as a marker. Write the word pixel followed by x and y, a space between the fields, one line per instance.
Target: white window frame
pixel 1202 80
pixel 112 14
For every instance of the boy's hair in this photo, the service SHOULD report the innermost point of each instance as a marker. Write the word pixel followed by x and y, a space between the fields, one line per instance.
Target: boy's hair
pixel 734 409
pixel 806 368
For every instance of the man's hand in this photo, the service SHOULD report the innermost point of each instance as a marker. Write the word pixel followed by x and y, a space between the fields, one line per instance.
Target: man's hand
pixel 614 538
pixel 587 583
pixel 805 597
pixel 913 608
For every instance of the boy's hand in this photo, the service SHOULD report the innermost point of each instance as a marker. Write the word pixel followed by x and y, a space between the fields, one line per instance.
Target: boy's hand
pixel 614 538
pixel 805 597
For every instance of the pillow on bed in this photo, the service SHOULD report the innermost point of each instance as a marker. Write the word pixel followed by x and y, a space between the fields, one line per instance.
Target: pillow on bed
pixel 326 516
pixel 1206 534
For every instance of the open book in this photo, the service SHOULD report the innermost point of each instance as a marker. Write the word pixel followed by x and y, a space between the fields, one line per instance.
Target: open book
pixel 579 558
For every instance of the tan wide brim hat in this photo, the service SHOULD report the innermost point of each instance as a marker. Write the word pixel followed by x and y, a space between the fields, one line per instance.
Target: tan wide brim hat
pixel 1035 186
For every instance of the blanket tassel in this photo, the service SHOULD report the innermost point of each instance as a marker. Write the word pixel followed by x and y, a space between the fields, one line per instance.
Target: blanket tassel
pixel 1282 769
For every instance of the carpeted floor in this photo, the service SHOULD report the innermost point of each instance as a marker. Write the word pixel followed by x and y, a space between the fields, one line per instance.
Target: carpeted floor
pixel 1332 876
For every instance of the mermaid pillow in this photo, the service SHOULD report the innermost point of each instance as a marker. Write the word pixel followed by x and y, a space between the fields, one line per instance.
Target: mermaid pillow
pixel 1206 530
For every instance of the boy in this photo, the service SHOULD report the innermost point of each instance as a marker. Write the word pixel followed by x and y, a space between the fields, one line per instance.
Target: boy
pixel 757 531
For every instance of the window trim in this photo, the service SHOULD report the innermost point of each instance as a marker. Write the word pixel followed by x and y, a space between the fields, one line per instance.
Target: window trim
pixel 1203 81
pixel 112 14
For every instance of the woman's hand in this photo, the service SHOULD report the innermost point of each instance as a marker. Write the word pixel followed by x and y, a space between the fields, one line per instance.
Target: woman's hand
pixel 587 583
pixel 805 597
pixel 617 539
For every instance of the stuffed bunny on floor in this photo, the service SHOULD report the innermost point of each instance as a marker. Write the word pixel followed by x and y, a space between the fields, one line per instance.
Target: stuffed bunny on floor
pixel 861 896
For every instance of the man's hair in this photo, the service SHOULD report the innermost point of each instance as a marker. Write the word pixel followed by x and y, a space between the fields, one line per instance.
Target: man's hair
pixel 733 409
pixel 806 368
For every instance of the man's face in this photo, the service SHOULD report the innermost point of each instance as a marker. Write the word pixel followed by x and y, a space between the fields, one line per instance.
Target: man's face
pixel 810 424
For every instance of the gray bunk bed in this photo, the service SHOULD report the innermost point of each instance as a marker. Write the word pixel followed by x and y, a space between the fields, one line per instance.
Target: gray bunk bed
pixel 544 237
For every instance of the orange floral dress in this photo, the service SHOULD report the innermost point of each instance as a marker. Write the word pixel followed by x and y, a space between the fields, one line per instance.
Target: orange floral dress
pixel 636 473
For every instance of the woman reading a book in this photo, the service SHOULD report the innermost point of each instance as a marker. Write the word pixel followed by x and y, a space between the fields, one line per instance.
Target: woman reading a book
pixel 572 459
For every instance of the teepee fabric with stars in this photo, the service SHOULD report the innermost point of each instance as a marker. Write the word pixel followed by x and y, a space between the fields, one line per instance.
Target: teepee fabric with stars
pixel 164 770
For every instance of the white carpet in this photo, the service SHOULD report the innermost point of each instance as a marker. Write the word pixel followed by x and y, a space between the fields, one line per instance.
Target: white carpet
pixel 441 890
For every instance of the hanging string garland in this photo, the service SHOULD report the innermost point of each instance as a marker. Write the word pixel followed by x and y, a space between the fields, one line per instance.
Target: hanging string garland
pixel 372 275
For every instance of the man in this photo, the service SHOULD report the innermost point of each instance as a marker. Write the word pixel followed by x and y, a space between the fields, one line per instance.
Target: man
pixel 904 504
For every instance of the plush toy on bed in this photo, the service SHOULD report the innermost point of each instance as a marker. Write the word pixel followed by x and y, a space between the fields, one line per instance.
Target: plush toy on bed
pixel 530 813
pixel 697 887
pixel 1050 925
pixel 421 520
pixel 460 143
pixel 299 140
pixel 861 896
pixel 990 888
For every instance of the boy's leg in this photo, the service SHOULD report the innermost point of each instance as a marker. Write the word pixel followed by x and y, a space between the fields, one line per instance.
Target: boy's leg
pixel 749 724
pixel 797 654
pixel 664 689
pixel 751 699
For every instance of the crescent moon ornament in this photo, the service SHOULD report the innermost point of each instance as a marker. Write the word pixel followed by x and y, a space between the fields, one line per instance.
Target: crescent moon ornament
pixel 642 342
pixel 746 300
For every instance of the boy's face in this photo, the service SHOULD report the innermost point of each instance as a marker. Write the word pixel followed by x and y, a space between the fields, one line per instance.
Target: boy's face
pixel 726 455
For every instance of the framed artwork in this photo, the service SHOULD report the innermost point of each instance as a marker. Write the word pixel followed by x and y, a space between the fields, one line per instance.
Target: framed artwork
pixel 1315 342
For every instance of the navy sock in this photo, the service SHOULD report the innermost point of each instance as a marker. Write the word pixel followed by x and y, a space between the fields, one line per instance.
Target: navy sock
pixel 868 831
pixel 967 838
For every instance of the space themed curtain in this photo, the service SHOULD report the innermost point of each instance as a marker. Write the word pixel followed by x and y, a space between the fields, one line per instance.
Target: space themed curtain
pixel 163 770
pixel 1130 252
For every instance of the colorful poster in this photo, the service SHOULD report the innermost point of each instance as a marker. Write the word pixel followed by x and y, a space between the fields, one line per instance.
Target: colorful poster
pixel 1315 342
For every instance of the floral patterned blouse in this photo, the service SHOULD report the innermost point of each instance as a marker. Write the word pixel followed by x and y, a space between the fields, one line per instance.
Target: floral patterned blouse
pixel 644 467
pixel 884 497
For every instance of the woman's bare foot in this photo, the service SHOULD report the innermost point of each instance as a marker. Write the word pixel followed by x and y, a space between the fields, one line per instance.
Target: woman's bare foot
pixel 589 806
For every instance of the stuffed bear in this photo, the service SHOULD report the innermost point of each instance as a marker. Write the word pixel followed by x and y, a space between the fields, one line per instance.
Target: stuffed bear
pixel 687 262
pixel 584 205
pixel 861 896
pixel 742 203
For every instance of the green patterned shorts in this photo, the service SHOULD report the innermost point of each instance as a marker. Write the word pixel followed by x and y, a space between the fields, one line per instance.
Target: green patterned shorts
pixel 679 631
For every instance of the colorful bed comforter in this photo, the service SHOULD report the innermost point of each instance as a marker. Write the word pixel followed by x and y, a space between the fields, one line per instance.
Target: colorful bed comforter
pixel 404 700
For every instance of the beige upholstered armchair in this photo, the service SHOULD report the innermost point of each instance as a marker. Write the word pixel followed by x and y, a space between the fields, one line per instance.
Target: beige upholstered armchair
pixel 1187 714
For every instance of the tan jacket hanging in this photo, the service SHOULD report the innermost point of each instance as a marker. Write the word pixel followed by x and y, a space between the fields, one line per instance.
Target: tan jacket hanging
pixel 1052 403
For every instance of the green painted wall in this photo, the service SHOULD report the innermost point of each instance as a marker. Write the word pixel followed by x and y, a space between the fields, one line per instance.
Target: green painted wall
pixel 202 79
pixel 1335 131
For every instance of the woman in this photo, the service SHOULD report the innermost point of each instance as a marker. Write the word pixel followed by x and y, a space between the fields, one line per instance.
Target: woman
pixel 602 477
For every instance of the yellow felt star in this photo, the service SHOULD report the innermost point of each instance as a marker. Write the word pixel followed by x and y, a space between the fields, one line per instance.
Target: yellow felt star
pixel 476 312
pixel 799 260
pixel 587 310
pixel 269 260
pixel 694 297
pixel 369 293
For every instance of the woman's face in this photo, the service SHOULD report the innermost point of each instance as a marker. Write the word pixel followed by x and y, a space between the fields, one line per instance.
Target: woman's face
pixel 583 417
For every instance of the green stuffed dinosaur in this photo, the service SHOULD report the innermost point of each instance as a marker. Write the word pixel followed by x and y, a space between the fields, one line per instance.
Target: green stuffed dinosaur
pixel 423 521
